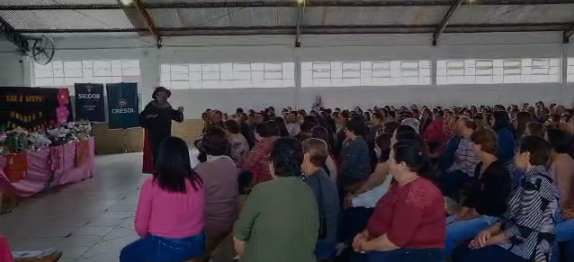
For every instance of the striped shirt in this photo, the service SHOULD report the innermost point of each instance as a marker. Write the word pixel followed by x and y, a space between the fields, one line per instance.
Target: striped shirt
pixel 531 216
pixel 279 222
pixel 465 158
pixel 258 160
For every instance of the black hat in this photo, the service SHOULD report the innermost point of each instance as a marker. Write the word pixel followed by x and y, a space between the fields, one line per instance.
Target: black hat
pixel 160 89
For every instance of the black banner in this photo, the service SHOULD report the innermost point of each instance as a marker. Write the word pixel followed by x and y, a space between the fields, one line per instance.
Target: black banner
pixel 123 105
pixel 33 109
pixel 89 102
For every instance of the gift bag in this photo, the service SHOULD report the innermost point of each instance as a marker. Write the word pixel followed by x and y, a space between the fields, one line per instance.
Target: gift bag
pixel 82 151
pixel 16 167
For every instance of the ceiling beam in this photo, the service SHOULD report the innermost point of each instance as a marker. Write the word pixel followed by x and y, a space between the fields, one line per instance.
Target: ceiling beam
pixel 278 3
pixel 299 26
pixel 14 36
pixel 444 22
pixel 149 22
pixel 326 30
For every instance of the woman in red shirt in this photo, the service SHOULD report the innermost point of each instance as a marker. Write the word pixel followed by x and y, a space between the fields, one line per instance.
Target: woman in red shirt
pixel 408 223
pixel 257 160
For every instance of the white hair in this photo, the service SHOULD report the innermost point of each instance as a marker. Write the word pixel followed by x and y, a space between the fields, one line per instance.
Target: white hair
pixel 412 122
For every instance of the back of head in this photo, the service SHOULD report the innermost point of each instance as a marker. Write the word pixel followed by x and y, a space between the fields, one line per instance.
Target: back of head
pixel 487 139
pixel 320 133
pixel 383 142
pixel 538 148
pixel 415 124
pixel 560 141
pixel 311 119
pixel 215 130
pixel 317 150
pixel 536 129
pixel 307 125
pixel 501 120
pixel 267 129
pixel 215 144
pixel 232 126
pixel 411 152
pixel 286 157
pixel 356 125
pixel 173 166
pixel 281 126
pixel 405 132
pixel 390 127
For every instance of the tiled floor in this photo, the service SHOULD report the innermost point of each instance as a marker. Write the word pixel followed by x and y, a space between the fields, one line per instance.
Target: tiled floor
pixel 90 221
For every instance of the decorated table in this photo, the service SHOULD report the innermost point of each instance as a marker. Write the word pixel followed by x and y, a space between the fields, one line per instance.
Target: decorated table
pixel 33 162
pixel 25 174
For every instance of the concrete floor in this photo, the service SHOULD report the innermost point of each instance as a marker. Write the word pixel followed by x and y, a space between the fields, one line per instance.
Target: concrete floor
pixel 89 221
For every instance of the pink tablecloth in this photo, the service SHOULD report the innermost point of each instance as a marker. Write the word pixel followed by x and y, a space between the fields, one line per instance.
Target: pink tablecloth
pixel 5 252
pixel 50 167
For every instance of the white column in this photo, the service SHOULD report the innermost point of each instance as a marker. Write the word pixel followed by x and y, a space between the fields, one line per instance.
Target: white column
pixel 564 76
pixel 297 61
pixel 434 87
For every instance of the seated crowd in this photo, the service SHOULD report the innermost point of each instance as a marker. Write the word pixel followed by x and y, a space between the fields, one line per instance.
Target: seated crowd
pixel 388 184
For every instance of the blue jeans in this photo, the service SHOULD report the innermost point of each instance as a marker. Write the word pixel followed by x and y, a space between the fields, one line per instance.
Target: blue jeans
pixel 325 249
pixel 451 183
pixel 161 249
pixel 354 221
pixel 408 254
pixel 457 231
pixel 492 253
pixel 565 239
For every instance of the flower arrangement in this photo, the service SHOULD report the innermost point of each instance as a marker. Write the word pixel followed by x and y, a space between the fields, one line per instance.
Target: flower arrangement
pixel 16 141
pixel 19 140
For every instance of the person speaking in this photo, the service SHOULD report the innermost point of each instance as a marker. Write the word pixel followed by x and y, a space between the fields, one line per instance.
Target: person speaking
pixel 156 120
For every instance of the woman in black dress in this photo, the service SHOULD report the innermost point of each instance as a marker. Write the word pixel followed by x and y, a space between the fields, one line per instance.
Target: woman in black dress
pixel 156 120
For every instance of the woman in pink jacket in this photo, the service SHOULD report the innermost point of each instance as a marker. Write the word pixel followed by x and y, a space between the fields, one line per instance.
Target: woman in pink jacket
pixel 170 213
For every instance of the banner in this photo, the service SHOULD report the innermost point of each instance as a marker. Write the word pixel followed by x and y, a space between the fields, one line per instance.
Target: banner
pixel 33 109
pixel 123 105
pixel 90 102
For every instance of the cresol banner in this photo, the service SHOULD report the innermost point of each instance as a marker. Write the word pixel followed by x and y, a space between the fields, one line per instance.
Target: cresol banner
pixel 123 105
pixel 33 109
pixel 89 102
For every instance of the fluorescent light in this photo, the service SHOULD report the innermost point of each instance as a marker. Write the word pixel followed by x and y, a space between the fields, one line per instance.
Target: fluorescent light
pixel 126 2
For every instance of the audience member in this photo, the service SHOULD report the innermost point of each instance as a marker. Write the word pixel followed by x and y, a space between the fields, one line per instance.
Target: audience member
pixel 354 158
pixel 406 226
pixel 315 154
pixel 219 175
pixel 331 167
pixel 280 218
pixel 535 129
pixel 527 231
pixel 465 160
pixel 170 214
pixel 239 147
pixel 258 158
pixel 486 202
pixel 501 124
pixel 292 125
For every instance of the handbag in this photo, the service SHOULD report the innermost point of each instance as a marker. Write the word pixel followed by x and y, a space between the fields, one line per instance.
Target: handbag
pixel 322 217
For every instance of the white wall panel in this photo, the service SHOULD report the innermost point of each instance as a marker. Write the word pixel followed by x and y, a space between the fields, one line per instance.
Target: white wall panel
pixel 316 48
